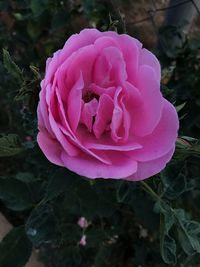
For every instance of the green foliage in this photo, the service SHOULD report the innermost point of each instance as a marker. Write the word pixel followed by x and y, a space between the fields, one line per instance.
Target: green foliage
pixel 38 7
pixel 188 232
pixel 61 181
pixel 40 227
pixel 103 256
pixel 15 248
pixel 15 194
pixel 10 145
pixel 11 67
pixel 168 249
pixel 174 180
pixel 184 81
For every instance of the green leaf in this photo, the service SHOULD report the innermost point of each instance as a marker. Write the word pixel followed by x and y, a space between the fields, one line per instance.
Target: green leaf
pixel 102 258
pixel 38 6
pixel 12 67
pixel 95 200
pixel 10 145
pixel 168 249
pixel 189 237
pixel 40 226
pixel 167 243
pixel 174 180
pixel 61 181
pixel 180 107
pixel 33 29
pixel 59 20
pixel 70 256
pixel 15 194
pixel 70 232
pixel 15 248
pixel 123 191
pixel 169 220
pixel 25 177
pixel 188 233
pixel 95 236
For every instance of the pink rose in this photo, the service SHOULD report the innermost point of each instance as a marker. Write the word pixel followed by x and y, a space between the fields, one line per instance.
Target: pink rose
pixel 101 113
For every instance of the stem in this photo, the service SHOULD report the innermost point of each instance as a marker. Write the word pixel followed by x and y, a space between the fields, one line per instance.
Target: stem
pixel 152 193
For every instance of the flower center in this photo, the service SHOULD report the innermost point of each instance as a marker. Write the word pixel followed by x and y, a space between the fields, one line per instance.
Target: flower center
pixel 88 96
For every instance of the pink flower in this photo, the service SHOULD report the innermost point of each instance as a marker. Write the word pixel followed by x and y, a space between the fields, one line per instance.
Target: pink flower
pixel 83 223
pixel 83 242
pixel 101 113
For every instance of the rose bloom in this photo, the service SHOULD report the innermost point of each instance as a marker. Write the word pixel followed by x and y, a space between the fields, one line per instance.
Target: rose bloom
pixel 101 113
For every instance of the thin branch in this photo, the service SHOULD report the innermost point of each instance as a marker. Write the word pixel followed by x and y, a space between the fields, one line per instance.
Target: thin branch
pixel 155 10
pixel 195 5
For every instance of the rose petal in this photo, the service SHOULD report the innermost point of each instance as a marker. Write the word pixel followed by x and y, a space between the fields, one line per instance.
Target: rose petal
pixel 130 48
pixel 64 141
pixel 50 148
pixel 147 58
pixel 116 117
pixel 88 112
pixel 152 167
pixel 107 145
pixel 88 166
pixel 98 90
pixel 74 103
pixel 163 137
pixel 104 115
pixel 147 116
pixel 74 43
pixel 43 114
pixel 103 42
pixel 126 119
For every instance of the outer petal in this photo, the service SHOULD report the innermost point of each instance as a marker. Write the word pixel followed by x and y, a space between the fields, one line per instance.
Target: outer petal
pixel 147 58
pixel 152 167
pixel 122 166
pixel 50 148
pixel 43 114
pixel 163 137
pixel 74 43
pixel 64 141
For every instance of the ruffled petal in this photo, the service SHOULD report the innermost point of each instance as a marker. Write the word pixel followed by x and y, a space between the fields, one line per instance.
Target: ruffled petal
pixel 131 49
